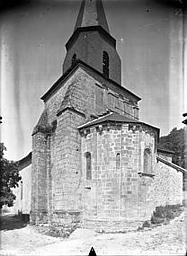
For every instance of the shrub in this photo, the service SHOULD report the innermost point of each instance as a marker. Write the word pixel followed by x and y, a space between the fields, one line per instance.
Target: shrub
pixel 164 213
pixel 146 224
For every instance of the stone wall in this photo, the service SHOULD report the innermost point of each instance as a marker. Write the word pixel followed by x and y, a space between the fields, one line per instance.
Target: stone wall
pixel 22 204
pixel 116 191
pixel 87 97
pixel 119 192
pixel 115 97
pixel 66 219
pixel 85 90
pixel 39 192
pixel 66 164
pixel 120 195
pixel 167 189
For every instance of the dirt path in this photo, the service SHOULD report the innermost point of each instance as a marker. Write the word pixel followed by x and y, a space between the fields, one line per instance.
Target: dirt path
pixel 162 240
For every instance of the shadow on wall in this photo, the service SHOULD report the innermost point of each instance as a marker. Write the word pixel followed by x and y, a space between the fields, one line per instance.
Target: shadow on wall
pixel 10 222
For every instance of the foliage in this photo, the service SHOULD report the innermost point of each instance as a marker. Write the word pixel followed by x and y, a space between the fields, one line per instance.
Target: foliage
pixel 165 213
pixel 2 148
pixel 9 178
pixel 174 141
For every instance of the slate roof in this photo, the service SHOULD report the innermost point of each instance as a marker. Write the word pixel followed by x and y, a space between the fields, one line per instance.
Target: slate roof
pixel 167 151
pixel 116 118
pixel 91 13
pixel 25 161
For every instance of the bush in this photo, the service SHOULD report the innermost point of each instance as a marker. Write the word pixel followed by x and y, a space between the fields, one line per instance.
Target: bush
pixel 164 213
pixel 146 224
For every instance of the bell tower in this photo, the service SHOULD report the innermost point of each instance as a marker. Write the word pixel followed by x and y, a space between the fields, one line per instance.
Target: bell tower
pixel 92 43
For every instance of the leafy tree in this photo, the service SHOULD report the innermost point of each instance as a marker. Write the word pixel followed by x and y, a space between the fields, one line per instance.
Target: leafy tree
pixel 174 141
pixel 9 178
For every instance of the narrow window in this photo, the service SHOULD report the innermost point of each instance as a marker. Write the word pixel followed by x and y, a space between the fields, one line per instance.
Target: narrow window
pixel 105 64
pixel 73 60
pixel 117 161
pixel 21 190
pixel 88 166
pixel 147 161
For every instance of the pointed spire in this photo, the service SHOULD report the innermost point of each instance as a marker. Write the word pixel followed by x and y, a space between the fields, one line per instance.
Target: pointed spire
pixel 91 13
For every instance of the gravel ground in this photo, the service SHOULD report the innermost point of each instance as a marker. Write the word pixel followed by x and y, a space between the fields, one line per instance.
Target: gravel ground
pixel 18 239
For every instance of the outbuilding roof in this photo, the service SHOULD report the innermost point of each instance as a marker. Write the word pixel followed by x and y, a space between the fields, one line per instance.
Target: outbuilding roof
pixel 166 151
pixel 25 161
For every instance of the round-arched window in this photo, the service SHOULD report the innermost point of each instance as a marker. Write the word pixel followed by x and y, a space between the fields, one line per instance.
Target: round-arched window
pixel 117 161
pixel 88 166
pixel 147 160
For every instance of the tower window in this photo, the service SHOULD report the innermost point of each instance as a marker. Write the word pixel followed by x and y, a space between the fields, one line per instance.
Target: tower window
pixel 73 60
pixel 147 161
pixel 105 64
pixel 88 166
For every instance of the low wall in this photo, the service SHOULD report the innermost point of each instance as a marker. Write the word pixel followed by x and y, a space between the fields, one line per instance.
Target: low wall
pixel 66 219
pixel 168 184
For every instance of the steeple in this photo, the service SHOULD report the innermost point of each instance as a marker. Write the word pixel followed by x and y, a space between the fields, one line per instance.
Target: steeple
pixel 92 43
pixel 91 13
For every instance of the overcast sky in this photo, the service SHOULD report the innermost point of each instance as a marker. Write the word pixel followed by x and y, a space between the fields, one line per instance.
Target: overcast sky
pixel 32 41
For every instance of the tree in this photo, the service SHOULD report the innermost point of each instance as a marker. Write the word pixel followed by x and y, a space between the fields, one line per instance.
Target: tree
pixel 9 178
pixel 174 141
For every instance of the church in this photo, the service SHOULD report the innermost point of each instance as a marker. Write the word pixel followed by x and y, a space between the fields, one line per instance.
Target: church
pixel 94 162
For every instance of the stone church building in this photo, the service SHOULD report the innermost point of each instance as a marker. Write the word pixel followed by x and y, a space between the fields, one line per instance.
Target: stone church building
pixel 94 162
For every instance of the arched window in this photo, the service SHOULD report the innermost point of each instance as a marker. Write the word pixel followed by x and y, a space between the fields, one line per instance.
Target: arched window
pixel 117 161
pixel 73 60
pixel 147 161
pixel 105 64
pixel 88 166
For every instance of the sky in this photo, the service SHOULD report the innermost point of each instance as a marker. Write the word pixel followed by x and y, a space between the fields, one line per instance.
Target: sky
pixel 33 35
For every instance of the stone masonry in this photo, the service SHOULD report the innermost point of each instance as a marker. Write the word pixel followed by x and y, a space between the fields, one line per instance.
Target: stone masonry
pixel 94 163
